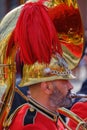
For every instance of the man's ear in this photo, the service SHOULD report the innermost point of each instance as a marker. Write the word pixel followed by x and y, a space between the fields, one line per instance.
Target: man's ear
pixel 47 87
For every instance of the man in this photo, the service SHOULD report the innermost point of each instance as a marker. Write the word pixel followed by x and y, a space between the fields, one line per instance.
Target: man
pixel 46 98
pixel 44 70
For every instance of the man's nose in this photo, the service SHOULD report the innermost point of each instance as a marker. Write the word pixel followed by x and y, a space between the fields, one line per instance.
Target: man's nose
pixel 70 86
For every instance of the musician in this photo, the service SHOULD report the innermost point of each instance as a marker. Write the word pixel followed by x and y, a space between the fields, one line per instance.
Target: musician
pixel 45 70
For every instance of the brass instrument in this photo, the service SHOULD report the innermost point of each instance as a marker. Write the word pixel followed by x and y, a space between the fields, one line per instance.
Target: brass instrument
pixel 81 124
pixel 7 83
pixel 73 95
pixel 8 70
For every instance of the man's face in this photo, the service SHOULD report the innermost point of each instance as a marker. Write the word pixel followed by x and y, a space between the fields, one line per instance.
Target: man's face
pixel 60 96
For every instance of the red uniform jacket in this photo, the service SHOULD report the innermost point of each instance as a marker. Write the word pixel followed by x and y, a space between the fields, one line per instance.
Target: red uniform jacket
pixel 29 118
pixel 79 108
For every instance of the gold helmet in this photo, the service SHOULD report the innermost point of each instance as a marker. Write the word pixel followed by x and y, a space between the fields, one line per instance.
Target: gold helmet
pixel 39 72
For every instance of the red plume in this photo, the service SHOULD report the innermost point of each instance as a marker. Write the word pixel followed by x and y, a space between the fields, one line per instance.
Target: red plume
pixel 35 34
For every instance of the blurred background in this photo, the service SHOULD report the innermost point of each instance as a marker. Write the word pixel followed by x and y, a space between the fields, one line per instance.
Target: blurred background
pixel 6 6
pixel 81 70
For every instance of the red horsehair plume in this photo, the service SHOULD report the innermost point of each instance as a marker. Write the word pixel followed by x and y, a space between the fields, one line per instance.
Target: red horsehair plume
pixel 35 34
